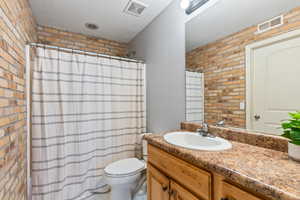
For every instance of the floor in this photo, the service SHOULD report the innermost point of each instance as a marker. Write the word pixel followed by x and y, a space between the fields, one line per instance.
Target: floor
pixel 103 197
pixel 140 195
pixel 107 197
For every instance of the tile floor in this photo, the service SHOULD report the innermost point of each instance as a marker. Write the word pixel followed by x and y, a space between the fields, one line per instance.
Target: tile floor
pixel 102 197
pixel 107 197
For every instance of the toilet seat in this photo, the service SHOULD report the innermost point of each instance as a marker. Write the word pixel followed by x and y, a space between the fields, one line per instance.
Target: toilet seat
pixel 124 168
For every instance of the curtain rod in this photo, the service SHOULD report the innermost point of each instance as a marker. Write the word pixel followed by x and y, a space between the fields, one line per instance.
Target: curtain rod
pixel 194 70
pixel 85 52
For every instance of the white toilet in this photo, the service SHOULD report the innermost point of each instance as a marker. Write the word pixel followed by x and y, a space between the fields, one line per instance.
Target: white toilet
pixel 123 175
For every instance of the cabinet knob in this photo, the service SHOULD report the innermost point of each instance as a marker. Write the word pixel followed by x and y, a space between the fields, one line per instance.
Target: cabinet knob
pixel 164 188
pixel 173 192
pixel 257 117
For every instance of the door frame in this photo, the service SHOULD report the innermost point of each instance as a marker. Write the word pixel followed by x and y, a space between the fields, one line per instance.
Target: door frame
pixel 249 49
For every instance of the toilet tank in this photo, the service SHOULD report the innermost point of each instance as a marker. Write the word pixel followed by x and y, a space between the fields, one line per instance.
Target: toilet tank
pixel 144 146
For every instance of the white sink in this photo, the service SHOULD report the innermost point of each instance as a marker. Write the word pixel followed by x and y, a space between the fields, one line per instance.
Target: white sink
pixel 197 142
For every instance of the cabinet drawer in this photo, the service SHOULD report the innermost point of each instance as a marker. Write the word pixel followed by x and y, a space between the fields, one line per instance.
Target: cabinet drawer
pixel 231 192
pixel 194 179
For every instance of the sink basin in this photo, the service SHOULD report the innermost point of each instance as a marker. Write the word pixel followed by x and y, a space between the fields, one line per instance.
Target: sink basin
pixel 197 142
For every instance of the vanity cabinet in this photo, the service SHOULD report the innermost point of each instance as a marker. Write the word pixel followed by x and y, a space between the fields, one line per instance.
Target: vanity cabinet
pixel 158 184
pixel 160 187
pixel 197 181
pixel 170 178
pixel 177 192
pixel 230 192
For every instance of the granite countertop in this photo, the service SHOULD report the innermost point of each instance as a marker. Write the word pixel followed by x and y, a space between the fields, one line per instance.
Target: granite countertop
pixel 268 172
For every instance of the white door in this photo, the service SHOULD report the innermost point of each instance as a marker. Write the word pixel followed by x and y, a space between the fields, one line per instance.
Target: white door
pixel 275 84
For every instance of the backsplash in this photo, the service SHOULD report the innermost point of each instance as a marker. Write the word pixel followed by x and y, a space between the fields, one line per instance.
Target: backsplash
pixel 241 135
pixel 223 64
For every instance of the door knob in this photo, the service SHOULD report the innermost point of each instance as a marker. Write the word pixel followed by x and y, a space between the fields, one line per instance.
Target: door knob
pixel 257 117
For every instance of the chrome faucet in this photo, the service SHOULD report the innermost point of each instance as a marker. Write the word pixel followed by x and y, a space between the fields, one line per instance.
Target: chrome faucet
pixel 221 123
pixel 204 131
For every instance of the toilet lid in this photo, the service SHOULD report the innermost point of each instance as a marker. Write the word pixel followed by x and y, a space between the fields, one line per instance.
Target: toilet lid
pixel 125 167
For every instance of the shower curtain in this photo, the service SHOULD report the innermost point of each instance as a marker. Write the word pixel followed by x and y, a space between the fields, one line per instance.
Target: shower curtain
pixel 194 97
pixel 87 111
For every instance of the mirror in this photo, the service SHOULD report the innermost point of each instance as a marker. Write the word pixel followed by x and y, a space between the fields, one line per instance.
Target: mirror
pixel 242 64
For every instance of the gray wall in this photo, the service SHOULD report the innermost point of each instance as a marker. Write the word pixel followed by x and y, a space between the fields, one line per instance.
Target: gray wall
pixel 162 45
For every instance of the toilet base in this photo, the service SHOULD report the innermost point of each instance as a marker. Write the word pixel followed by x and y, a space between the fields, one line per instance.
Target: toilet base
pixel 122 188
pixel 123 176
pixel 123 192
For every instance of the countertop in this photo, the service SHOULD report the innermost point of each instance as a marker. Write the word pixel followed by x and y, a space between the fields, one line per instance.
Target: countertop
pixel 268 172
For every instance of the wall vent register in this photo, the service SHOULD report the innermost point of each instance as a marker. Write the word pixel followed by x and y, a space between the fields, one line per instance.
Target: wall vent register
pixel 135 8
pixel 270 24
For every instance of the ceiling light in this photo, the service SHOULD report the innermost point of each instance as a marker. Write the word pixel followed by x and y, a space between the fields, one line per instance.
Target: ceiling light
pixel 91 26
pixel 185 4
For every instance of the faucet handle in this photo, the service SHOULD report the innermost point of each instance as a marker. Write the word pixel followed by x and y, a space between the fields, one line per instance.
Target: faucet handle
pixel 205 127
pixel 221 123
pixel 198 130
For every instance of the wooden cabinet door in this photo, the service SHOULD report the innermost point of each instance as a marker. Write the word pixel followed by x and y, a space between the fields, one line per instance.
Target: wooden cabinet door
pixel 158 184
pixel 177 192
pixel 231 192
pixel 196 180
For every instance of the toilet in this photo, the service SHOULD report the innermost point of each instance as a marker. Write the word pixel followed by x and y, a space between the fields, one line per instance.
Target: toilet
pixel 123 175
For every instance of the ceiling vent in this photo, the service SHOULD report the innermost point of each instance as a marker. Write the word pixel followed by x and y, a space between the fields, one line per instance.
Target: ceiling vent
pixel 270 24
pixel 135 8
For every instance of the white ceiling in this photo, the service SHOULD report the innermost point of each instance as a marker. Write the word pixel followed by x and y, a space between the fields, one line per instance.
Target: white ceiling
pixel 113 23
pixel 230 16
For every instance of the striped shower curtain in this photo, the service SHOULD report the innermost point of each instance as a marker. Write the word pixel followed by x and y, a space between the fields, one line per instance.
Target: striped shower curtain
pixel 194 97
pixel 87 112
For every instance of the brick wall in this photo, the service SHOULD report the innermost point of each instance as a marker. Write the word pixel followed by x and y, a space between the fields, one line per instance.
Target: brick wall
pixel 17 26
pixel 57 37
pixel 223 64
